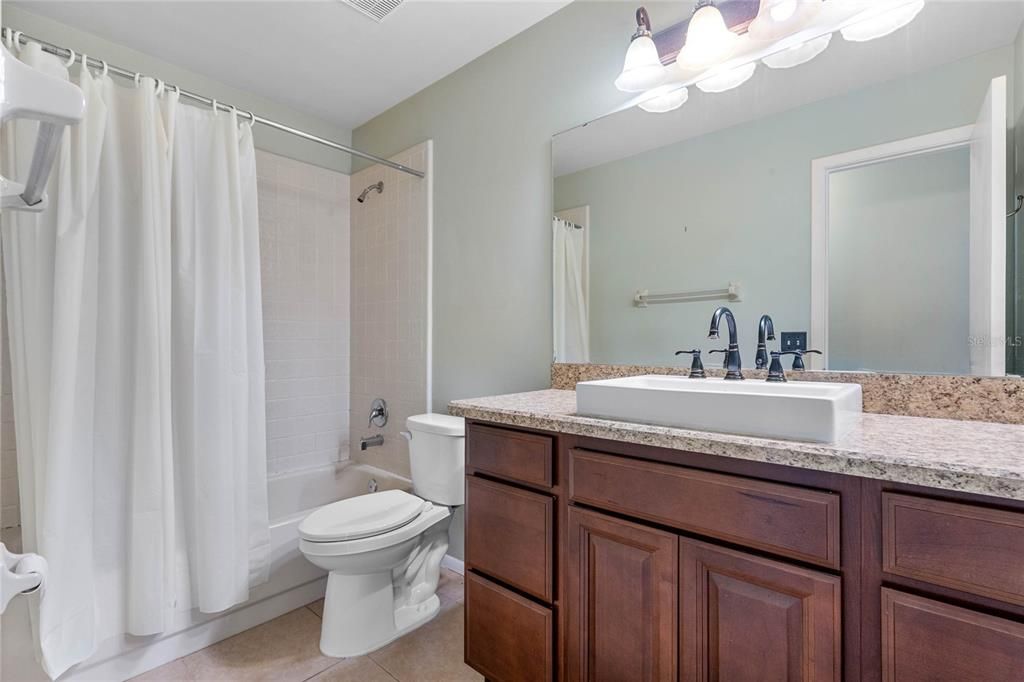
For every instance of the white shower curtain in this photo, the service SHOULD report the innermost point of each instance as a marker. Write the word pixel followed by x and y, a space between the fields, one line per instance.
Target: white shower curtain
pixel 133 305
pixel 571 319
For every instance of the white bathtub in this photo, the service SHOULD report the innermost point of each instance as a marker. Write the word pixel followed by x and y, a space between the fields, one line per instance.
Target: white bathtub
pixel 293 582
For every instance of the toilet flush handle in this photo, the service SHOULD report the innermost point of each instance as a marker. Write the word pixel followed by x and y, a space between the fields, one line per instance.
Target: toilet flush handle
pixel 406 435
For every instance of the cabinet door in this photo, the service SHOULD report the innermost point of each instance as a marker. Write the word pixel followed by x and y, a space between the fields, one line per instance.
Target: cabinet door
pixel 744 618
pixel 929 641
pixel 622 600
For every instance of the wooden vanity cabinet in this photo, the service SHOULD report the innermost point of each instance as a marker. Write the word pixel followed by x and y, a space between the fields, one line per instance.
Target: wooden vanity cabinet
pixel 599 560
pixel 622 583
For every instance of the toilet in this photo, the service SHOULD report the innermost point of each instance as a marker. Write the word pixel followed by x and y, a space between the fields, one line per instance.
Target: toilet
pixel 383 550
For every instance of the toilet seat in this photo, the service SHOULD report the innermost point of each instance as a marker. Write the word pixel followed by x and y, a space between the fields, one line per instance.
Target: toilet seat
pixel 362 516
pixel 430 515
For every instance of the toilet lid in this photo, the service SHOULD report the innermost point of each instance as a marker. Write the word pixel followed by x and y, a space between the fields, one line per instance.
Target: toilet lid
pixel 362 517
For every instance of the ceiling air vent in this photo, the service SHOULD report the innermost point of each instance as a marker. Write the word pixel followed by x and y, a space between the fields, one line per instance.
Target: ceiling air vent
pixel 375 9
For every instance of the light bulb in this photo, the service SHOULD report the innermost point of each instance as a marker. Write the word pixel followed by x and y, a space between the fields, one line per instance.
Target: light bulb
pixel 727 80
pixel 883 23
pixel 666 100
pixel 642 68
pixel 781 10
pixel 708 39
pixel 780 18
pixel 798 54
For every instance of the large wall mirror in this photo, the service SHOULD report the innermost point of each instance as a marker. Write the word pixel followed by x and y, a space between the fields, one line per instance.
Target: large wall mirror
pixel 863 199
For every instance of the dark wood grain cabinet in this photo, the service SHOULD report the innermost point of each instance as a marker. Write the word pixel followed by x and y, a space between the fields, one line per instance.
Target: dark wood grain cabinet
pixel 622 581
pixel 746 618
pixel 596 560
pixel 924 640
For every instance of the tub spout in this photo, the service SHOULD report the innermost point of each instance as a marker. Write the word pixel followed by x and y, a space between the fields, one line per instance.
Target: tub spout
pixel 371 442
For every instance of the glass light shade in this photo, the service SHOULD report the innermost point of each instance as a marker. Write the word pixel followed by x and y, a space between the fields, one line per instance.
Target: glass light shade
pixel 798 54
pixel 727 80
pixel 883 23
pixel 642 69
pixel 708 40
pixel 778 18
pixel 666 101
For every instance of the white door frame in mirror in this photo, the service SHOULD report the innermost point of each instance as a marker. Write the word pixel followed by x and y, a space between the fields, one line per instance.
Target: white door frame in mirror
pixel 987 142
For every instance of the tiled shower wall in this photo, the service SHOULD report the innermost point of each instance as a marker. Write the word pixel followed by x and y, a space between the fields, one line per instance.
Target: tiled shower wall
pixel 390 303
pixel 304 248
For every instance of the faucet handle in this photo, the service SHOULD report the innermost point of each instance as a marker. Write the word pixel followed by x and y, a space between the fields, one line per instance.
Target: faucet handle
pixel 798 358
pixel 725 360
pixel 775 371
pixel 696 367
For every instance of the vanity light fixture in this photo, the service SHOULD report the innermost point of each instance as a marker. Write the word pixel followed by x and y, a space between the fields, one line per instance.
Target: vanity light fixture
pixel 798 54
pixel 708 39
pixel 717 59
pixel 882 23
pixel 667 98
pixel 727 80
pixel 642 69
pixel 779 18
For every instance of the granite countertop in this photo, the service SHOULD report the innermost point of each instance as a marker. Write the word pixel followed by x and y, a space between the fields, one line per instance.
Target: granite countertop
pixel 974 457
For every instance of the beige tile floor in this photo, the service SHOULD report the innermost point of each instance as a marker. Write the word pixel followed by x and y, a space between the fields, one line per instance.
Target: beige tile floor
pixel 287 649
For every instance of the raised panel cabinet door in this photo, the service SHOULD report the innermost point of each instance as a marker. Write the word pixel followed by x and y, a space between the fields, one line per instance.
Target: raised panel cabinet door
pixel 622 599
pixel 928 641
pixel 744 618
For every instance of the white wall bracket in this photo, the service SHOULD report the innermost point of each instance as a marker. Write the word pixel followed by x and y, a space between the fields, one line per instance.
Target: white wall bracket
pixel 28 93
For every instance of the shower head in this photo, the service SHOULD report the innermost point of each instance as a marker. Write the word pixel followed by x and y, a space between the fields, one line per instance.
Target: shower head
pixel 379 186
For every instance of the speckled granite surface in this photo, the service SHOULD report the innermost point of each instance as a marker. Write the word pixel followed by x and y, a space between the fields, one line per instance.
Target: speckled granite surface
pixel 974 457
pixel 985 399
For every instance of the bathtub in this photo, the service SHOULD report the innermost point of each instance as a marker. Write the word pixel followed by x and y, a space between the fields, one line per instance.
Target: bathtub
pixel 293 582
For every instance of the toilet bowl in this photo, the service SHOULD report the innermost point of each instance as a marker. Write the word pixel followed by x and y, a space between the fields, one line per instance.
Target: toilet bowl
pixel 383 550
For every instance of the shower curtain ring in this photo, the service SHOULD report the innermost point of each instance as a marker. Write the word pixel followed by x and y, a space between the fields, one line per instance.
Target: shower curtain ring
pixel 136 78
pixel 85 61
pixel 159 87
pixel 71 59
pixel 213 105
pixel 17 40
pixel 106 68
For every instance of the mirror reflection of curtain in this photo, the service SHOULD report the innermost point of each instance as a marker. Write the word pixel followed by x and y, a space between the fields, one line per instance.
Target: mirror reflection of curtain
pixel 571 295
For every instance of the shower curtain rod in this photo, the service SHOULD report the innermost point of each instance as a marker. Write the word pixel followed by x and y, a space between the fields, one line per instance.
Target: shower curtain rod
pixel 64 53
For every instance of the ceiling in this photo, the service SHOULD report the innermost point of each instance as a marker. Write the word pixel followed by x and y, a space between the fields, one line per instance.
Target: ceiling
pixel 943 33
pixel 318 56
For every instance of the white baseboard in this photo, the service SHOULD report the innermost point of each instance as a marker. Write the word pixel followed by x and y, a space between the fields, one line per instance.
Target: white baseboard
pixel 189 641
pixel 453 564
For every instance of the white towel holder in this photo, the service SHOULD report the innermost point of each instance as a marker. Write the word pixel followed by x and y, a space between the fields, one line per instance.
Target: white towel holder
pixel 28 93
pixel 644 298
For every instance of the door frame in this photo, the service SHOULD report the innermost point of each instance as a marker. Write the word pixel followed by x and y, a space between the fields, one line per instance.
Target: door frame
pixel 821 171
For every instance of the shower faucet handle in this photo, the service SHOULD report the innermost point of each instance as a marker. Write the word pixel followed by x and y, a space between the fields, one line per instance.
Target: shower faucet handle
pixel 378 413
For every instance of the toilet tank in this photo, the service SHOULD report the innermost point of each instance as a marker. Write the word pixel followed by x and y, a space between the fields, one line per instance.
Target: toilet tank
pixel 437 457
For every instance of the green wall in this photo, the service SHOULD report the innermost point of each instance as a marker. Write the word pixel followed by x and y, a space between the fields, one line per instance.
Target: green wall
pixel 266 138
pixel 491 122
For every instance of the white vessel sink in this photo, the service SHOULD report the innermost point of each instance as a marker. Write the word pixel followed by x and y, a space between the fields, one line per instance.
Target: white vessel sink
pixel 795 410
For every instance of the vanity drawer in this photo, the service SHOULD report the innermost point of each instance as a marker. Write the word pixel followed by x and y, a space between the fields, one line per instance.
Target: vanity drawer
pixel 961 546
pixel 926 640
pixel 510 535
pixel 785 520
pixel 514 455
pixel 508 637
